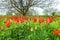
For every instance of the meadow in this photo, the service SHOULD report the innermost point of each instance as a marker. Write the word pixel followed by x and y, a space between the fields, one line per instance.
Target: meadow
pixel 29 28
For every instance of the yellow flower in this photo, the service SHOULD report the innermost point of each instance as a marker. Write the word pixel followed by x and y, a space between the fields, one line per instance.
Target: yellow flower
pixel 35 27
pixel 31 29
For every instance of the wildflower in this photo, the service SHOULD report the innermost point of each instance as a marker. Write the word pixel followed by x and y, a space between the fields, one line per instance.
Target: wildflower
pixel 35 27
pixel 41 20
pixel 49 20
pixel 34 19
pixel 21 20
pixel 8 24
pixel 2 28
pixel 31 29
pixel 56 32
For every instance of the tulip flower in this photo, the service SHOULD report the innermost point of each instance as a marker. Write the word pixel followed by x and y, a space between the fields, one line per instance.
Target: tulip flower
pixel 49 20
pixel 8 24
pixel 17 21
pixel 41 20
pixel 56 32
pixel 31 29
pixel 21 20
pixel 34 19
pixel 2 28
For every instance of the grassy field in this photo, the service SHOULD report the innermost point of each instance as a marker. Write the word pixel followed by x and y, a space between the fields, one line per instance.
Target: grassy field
pixel 29 28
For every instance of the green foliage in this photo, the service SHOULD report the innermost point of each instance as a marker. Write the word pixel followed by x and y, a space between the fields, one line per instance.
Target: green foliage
pixel 24 32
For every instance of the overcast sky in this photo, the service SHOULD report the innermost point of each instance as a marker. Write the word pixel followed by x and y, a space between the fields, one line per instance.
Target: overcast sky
pixel 58 4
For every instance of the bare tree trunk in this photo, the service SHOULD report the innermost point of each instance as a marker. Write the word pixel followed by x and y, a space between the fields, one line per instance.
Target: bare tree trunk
pixel 24 12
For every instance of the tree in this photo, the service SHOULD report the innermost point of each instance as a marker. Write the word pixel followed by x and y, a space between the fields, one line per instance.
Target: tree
pixel 22 6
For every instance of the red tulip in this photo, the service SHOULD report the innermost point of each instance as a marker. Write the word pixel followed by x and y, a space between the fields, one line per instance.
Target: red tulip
pixel 49 20
pixel 2 28
pixel 8 24
pixel 34 19
pixel 17 21
pixel 41 20
pixel 21 20
pixel 56 32
pixel 10 20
